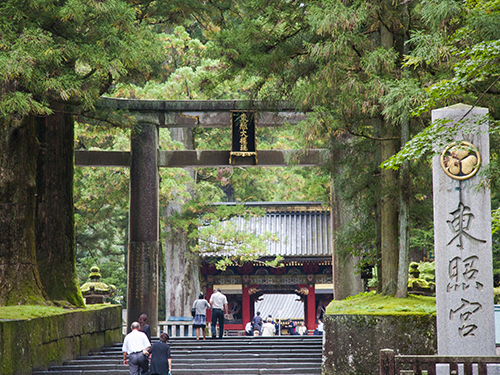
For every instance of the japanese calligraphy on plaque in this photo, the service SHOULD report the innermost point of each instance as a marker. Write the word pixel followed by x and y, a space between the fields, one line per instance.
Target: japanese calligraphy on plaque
pixel 460 161
pixel 243 135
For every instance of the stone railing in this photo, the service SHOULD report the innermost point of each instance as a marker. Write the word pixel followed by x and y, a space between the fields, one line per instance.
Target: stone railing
pixel 177 327
pixel 392 364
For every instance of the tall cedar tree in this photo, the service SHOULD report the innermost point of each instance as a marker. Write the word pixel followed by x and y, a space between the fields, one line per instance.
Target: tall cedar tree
pixel 56 59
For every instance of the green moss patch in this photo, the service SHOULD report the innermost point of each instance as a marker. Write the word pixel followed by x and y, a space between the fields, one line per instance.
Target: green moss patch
pixel 376 304
pixel 25 312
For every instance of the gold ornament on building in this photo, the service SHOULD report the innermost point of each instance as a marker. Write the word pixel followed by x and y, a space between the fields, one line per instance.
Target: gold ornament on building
pixel 460 160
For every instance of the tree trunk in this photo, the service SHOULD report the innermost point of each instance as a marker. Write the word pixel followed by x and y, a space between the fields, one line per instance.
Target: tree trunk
pixel 404 175
pixel 19 277
pixel 346 280
pixel 181 266
pixel 55 230
pixel 389 218
pixel 404 221
pixel 389 201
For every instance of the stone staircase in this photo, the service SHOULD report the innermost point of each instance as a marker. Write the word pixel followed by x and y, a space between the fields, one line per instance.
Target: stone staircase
pixel 298 355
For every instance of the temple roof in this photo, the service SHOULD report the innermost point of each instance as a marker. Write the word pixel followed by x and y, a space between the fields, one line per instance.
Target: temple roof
pixel 302 228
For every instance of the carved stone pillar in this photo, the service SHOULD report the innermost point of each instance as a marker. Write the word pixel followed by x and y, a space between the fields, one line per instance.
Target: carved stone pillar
pixel 143 248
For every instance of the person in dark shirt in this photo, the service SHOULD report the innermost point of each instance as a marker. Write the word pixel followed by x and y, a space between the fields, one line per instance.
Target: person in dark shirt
pixel 257 323
pixel 161 362
pixel 144 326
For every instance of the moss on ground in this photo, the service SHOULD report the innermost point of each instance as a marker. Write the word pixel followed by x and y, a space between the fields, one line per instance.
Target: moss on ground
pixel 25 312
pixel 377 304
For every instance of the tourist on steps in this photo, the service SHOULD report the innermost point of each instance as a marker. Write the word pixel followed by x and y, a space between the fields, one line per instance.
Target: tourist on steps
pixel 136 345
pixel 218 301
pixel 145 326
pixel 200 318
pixel 257 323
pixel 268 327
pixel 248 329
pixel 302 329
pixel 161 362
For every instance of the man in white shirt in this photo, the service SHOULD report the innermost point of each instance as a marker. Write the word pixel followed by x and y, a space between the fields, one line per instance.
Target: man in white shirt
pixel 135 345
pixel 218 302
pixel 268 328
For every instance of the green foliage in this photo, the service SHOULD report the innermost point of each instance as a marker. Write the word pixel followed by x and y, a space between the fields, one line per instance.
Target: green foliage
pixel 68 52
pixel 464 37
pixel 188 73
pixel 496 295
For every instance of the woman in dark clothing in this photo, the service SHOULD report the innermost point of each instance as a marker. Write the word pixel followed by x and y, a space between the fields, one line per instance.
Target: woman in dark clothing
pixel 161 363
pixel 145 326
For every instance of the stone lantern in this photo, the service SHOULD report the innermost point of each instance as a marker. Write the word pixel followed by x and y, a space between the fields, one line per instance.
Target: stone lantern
pixel 94 291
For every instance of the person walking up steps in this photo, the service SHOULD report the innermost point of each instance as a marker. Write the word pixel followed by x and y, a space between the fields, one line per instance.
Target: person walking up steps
pixel 200 318
pixel 218 301
pixel 161 362
pixel 135 346
pixel 145 326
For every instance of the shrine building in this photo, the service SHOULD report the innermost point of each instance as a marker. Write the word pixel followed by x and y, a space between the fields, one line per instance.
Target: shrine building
pixel 304 242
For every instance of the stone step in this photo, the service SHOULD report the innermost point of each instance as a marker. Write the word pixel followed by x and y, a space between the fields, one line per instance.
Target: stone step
pixel 262 371
pixel 192 365
pixel 269 357
pixel 224 343
pixel 226 351
pixel 236 361
pixel 244 340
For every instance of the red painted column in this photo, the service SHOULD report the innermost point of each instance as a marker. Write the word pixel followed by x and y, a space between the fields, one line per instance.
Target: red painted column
pixel 210 291
pixel 311 307
pixel 245 305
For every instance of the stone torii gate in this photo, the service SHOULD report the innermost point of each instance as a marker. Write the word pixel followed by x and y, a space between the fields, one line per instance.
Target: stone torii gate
pixel 144 159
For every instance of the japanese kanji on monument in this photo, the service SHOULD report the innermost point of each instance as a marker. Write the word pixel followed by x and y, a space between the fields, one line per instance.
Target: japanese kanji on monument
pixel 462 237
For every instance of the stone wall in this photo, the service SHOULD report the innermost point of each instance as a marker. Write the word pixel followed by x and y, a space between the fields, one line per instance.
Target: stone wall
pixel 40 342
pixel 351 343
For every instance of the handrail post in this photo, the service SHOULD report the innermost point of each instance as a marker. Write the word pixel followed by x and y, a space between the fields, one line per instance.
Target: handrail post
pixel 387 362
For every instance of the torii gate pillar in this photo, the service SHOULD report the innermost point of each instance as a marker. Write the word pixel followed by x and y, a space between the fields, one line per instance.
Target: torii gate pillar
pixel 142 296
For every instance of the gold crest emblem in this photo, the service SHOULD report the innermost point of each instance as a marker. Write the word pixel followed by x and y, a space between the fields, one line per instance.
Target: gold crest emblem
pixel 460 160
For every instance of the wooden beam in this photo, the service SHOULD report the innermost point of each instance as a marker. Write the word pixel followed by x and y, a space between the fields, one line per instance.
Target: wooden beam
pixel 147 105
pixel 102 158
pixel 194 158
pixel 202 113
pixel 192 119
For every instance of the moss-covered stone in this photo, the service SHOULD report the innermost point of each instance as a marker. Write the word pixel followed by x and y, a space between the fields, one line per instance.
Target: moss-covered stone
pixel 357 329
pixel 37 343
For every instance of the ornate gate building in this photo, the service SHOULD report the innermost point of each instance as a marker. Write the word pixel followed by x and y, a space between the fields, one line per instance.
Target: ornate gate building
pixel 304 241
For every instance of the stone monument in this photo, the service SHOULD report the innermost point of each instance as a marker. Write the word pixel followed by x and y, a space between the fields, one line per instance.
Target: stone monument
pixel 462 237
pixel 94 291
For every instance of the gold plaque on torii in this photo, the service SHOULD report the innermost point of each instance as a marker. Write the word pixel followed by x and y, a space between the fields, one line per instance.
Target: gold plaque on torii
pixel 460 160
pixel 243 136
